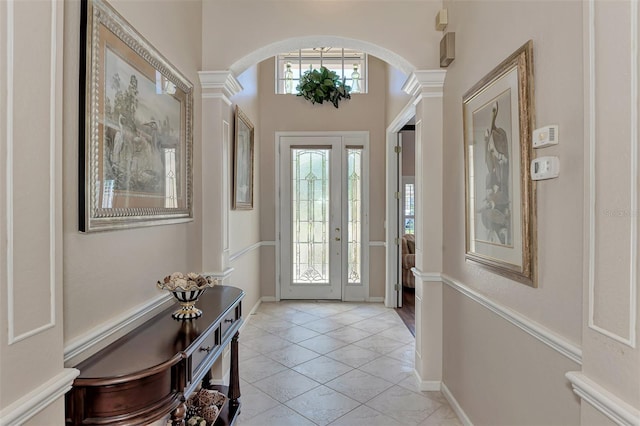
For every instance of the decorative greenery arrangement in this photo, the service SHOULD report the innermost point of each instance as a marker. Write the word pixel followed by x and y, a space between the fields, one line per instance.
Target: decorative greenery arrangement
pixel 323 85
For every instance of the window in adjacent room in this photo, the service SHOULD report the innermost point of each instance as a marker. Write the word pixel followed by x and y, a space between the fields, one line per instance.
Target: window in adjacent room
pixel 349 64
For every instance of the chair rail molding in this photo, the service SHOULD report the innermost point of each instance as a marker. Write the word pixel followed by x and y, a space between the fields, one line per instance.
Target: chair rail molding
pixel 602 400
pixel 37 400
pixel 546 336
pixel 89 342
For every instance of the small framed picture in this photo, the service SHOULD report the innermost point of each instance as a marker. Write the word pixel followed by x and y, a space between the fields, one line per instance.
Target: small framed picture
pixel 243 162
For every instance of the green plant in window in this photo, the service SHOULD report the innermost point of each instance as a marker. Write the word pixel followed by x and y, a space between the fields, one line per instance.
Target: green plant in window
pixel 323 85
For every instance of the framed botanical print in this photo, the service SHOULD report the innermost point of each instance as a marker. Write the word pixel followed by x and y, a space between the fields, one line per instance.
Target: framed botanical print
pixel 500 196
pixel 136 120
pixel 243 162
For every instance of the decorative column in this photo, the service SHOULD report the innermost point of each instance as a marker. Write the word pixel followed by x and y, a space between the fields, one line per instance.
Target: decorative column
pixel 426 87
pixel 217 126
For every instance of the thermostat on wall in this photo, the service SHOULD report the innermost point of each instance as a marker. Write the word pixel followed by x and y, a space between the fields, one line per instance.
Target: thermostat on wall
pixel 545 168
pixel 545 136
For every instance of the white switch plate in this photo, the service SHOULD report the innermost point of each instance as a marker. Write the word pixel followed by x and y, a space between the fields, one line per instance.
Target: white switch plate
pixel 545 168
pixel 545 136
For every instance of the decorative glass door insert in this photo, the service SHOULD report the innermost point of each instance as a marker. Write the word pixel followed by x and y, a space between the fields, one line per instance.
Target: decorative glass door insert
pixel 310 215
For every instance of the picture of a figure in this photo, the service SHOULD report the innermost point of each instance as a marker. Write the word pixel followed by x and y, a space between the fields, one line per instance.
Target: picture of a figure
pixel 140 125
pixel 492 128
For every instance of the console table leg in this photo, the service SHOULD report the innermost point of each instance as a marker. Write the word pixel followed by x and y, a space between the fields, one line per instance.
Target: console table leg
pixel 234 380
pixel 178 415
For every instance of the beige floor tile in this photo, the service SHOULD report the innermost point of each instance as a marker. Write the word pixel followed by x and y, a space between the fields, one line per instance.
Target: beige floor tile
pixel 297 334
pixel 266 344
pixel 365 416
pixel 353 355
pixel 322 344
pixel 390 369
pixel 377 343
pixel 286 385
pixel 293 355
pixel 322 405
pixel 359 385
pixel 400 333
pixel 323 325
pixel 277 416
pixel 322 369
pixel 254 401
pixel 348 334
pixel 443 416
pixel 258 368
pixel 406 353
pixel 408 408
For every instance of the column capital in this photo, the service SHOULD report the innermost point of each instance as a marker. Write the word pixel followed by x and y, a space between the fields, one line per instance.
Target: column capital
pixel 425 83
pixel 219 84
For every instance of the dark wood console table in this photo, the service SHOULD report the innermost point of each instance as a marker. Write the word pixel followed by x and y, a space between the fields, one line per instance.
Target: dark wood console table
pixel 148 373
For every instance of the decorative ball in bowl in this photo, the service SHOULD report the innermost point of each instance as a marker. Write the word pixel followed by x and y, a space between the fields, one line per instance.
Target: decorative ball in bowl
pixel 186 288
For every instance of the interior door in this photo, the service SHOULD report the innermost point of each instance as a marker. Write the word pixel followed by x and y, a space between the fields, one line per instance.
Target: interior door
pixel 311 219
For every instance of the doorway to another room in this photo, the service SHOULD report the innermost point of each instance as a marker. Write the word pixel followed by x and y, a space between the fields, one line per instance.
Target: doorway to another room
pixel 406 186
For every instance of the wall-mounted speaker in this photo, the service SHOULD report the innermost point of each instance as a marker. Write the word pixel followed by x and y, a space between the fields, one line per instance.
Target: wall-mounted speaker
pixel 447 49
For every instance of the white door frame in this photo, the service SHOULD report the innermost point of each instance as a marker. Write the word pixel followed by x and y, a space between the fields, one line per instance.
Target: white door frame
pixel 349 293
pixel 391 229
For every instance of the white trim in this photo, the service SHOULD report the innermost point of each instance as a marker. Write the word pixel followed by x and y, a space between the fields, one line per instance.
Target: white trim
pixel 269 299
pixel 376 299
pixel 377 244
pixel 391 231
pixel 220 96
pixel 590 128
pixel 427 385
pixel 546 336
pixel 455 406
pixel 425 83
pixel 12 338
pixel 40 398
pixel 296 43
pixel 602 400
pixel 123 322
pixel 224 81
pixel 247 318
pixel 234 256
pixel 426 276
pixel 219 275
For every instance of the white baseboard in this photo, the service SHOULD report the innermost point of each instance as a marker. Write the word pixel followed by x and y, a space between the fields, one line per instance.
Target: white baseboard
pixel 375 299
pixel 455 406
pixel 247 318
pixel 115 327
pixel 38 399
pixel 268 299
pixel 603 400
pixel 427 385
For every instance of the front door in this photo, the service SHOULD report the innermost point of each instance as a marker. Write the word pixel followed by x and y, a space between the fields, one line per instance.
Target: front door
pixel 321 216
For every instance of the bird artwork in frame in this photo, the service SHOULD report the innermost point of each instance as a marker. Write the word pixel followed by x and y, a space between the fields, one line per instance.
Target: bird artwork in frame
pixel 500 196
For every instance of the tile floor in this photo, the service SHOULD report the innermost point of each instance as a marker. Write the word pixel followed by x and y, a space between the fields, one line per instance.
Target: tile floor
pixel 340 364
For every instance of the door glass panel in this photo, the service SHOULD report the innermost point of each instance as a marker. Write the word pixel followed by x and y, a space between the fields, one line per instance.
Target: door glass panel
pixel 354 215
pixel 310 215
pixel 409 208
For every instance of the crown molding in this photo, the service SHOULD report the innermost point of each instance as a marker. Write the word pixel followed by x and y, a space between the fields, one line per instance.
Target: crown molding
pixel 425 83
pixel 223 82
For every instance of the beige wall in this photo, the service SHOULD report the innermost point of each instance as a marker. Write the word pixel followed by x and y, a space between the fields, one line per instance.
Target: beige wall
pixel 363 112
pixel 408 153
pixel 482 355
pixel 397 26
pixel 108 273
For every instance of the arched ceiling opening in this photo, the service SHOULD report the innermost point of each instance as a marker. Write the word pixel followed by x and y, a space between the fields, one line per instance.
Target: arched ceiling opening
pixel 295 43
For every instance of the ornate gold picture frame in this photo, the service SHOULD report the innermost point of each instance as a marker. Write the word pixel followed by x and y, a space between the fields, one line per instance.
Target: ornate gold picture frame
pixel 498 114
pixel 135 128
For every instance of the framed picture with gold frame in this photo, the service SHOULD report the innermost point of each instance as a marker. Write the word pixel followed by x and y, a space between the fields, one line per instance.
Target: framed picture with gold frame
pixel 135 128
pixel 243 162
pixel 500 213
